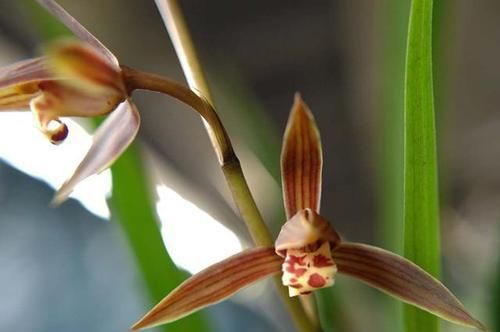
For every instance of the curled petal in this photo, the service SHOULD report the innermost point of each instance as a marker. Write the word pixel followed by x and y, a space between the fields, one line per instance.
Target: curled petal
pixel 110 140
pixel 303 229
pixel 301 160
pixel 402 279
pixel 48 122
pixel 51 100
pixel 213 285
pixel 62 15
pixel 58 131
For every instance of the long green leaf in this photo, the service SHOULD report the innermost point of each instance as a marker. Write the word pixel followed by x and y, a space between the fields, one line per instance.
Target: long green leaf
pixel 393 20
pixel 132 204
pixel 495 307
pixel 329 309
pixel 133 207
pixel 421 222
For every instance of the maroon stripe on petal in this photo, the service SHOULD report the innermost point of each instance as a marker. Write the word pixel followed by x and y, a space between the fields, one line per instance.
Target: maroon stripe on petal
pixel 301 161
pixel 213 285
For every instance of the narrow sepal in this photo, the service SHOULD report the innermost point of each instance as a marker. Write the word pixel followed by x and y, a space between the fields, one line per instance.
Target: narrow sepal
pixel 402 279
pixel 110 140
pixel 79 30
pixel 301 160
pixel 213 285
pixel 24 72
pixel 19 83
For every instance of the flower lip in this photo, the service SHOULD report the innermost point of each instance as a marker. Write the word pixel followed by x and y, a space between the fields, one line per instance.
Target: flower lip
pixel 308 230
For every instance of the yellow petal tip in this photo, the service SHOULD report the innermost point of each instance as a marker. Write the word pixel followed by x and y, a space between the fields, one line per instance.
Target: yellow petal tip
pixel 60 196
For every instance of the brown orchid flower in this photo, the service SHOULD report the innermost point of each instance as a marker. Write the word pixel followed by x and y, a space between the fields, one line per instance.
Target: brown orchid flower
pixel 75 78
pixel 308 251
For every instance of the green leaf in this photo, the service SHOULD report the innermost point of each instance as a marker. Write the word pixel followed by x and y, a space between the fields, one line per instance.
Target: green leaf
pixel 132 204
pixel 393 20
pixel 495 308
pixel 330 310
pixel 421 221
pixel 49 28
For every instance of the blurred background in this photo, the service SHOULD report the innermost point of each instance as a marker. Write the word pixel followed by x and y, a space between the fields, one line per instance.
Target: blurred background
pixel 97 263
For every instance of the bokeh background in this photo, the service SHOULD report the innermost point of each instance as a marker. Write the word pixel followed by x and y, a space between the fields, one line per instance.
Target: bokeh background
pixel 76 268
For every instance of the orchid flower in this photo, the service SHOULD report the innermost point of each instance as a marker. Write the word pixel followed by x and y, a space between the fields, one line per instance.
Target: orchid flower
pixel 308 250
pixel 75 78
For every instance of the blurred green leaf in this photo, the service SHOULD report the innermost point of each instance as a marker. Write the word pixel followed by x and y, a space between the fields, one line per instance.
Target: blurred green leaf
pixel 133 208
pixel 132 204
pixel 393 20
pixel 241 109
pixel 49 28
pixel 421 221
pixel 329 310
pixel 495 308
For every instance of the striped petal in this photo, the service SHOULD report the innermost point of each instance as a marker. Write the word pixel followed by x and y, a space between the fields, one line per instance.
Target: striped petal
pixel 402 279
pixel 301 161
pixel 18 97
pixel 19 83
pixel 213 285
pixel 69 21
pixel 110 140
pixel 32 70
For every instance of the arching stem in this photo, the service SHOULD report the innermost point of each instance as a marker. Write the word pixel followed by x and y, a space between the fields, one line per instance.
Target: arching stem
pixel 230 166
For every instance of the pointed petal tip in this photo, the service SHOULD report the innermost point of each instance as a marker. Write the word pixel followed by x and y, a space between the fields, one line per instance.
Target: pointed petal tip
pixel 481 326
pixel 301 160
pixel 213 285
pixel 139 325
pixel 149 321
pixel 300 106
pixel 297 97
pixel 61 195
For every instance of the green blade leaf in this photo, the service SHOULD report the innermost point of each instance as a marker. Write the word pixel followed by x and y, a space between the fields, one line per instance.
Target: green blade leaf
pixel 132 205
pixel 393 20
pixel 421 222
